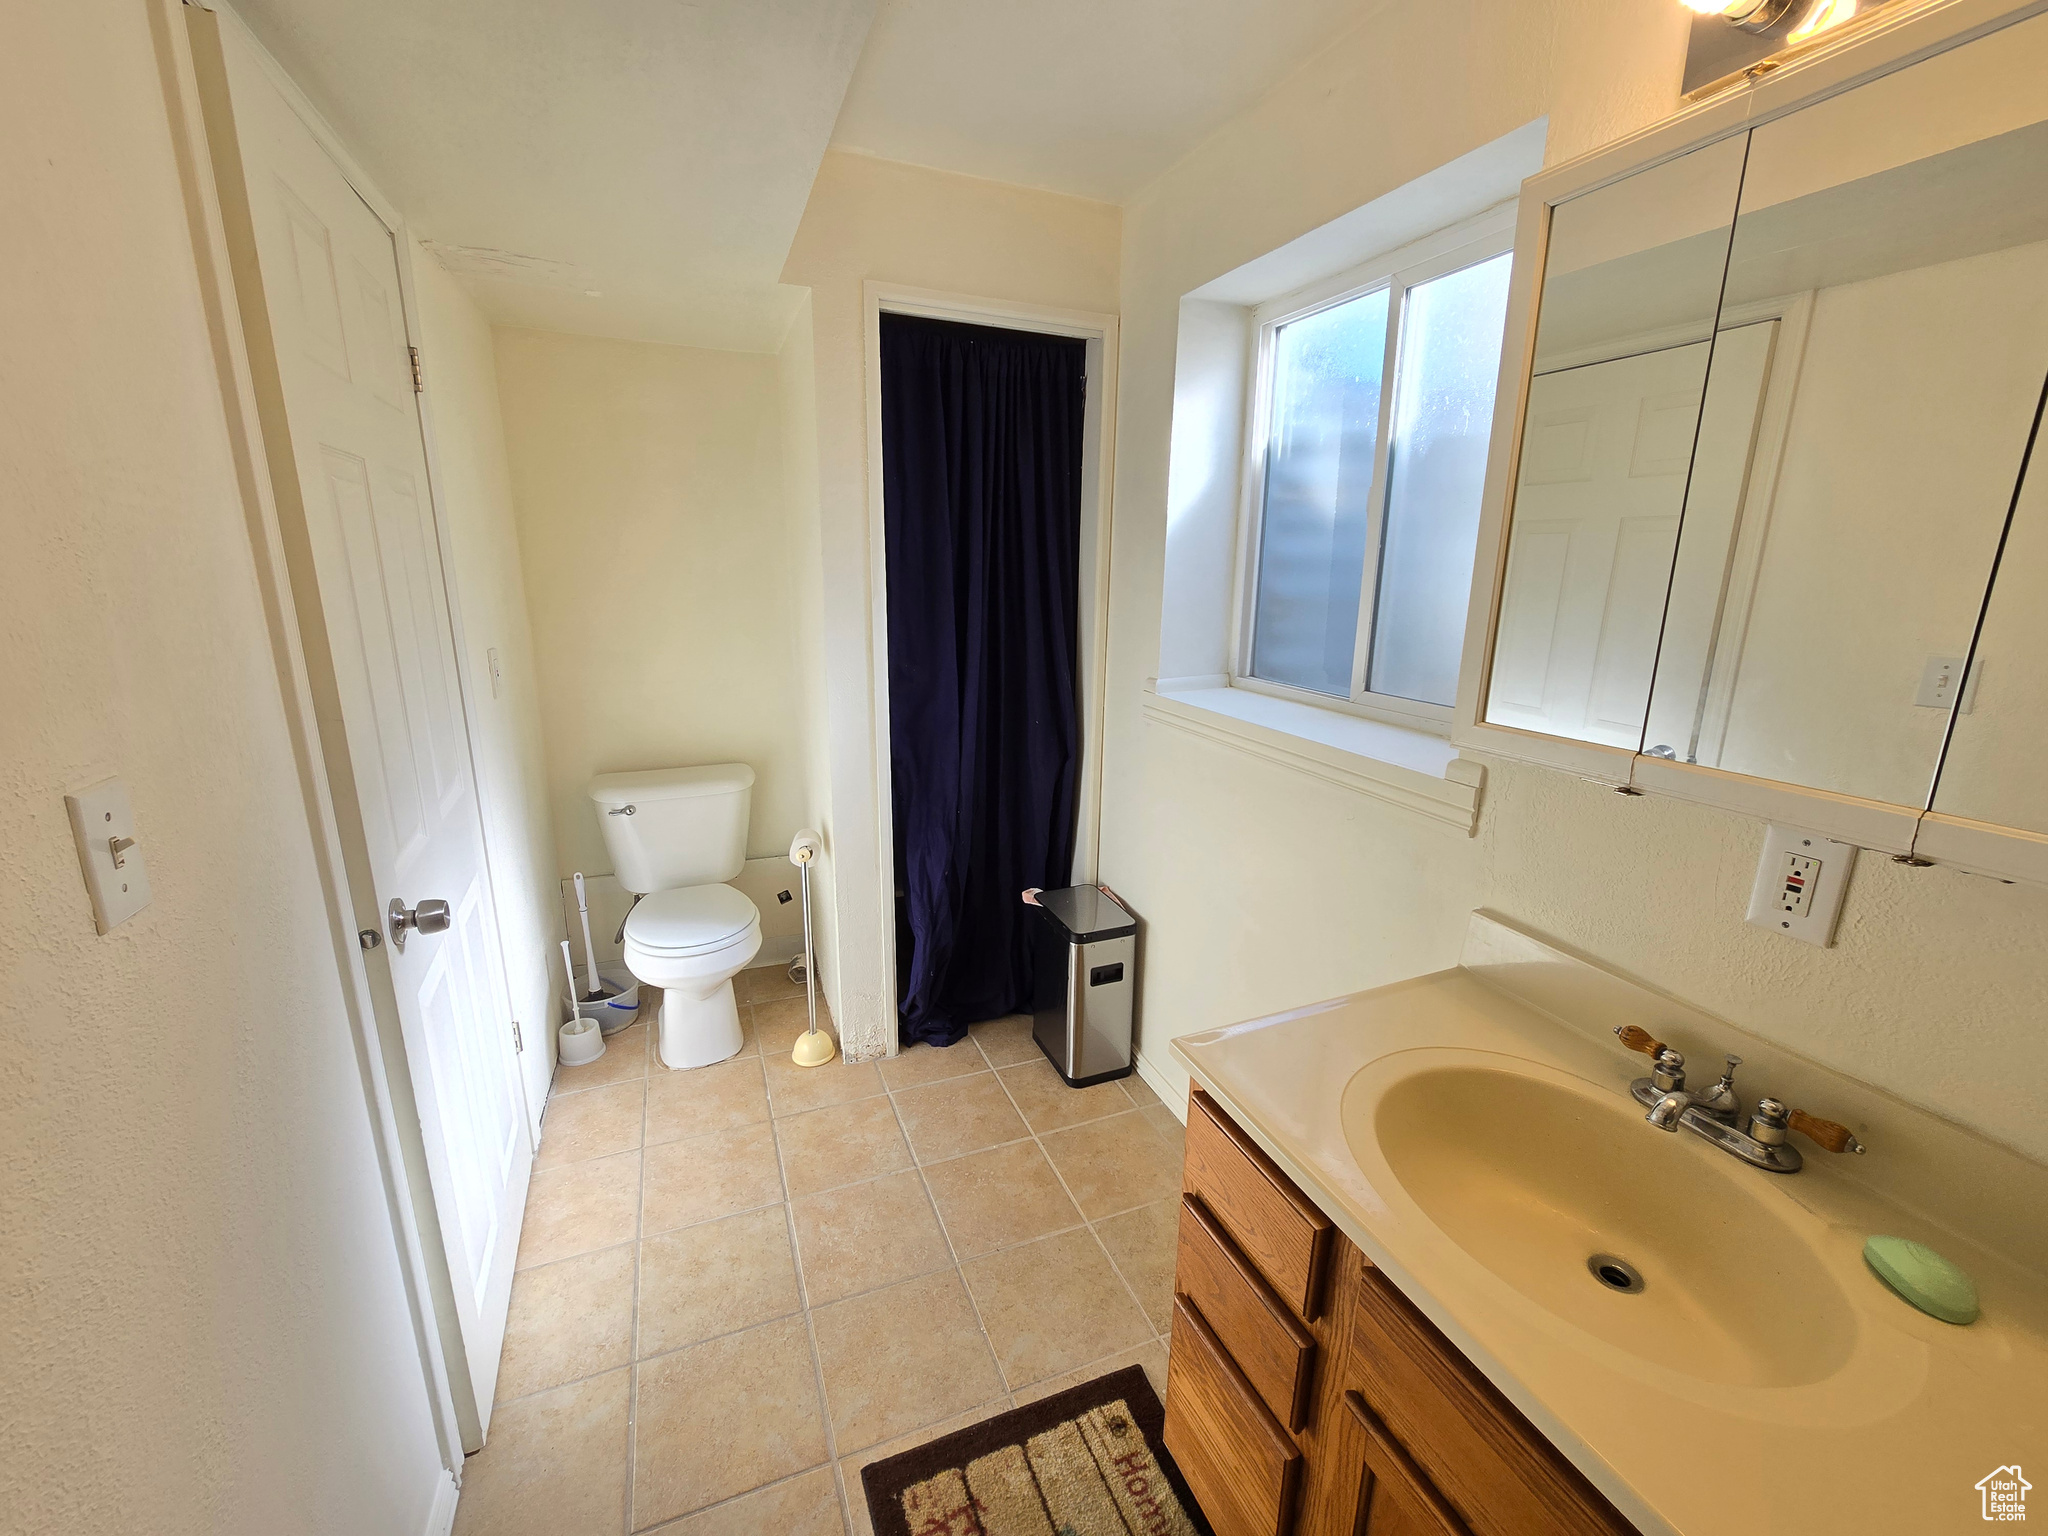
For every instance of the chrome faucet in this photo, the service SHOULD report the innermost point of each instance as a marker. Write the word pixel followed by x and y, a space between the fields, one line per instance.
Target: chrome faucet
pixel 1716 1113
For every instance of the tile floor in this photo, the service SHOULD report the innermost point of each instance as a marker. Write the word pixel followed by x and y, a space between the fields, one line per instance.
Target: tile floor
pixel 738 1286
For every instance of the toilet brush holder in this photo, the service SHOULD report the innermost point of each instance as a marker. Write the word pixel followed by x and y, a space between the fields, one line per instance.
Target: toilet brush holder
pixel 580 1042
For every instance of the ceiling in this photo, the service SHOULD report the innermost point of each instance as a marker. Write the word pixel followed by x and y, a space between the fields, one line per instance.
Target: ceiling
pixel 638 168
pixel 635 168
pixel 1091 97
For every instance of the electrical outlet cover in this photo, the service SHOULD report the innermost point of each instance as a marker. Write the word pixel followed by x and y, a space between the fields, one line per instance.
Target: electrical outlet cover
pixel 1799 884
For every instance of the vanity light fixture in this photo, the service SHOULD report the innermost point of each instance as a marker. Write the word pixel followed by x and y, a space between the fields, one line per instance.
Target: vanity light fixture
pixel 1752 15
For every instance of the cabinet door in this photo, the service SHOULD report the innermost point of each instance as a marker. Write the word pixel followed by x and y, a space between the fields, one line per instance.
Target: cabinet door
pixel 1394 1498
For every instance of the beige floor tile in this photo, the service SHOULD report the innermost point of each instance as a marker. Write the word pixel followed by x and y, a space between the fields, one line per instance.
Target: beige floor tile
pixel 579 1208
pixel 778 1021
pixel 994 1199
pixel 624 1058
pixel 917 1065
pixel 803 1506
pixel 717 1174
pixel 792 1090
pixel 601 1122
pixel 1143 1244
pixel 850 1466
pixel 715 1098
pixel 1053 1305
pixel 1139 1090
pixel 842 1145
pixel 867 1235
pixel 896 1359
pixel 763 983
pixel 1115 1164
pixel 716 1277
pixel 1171 1131
pixel 569 1319
pixel 1150 1355
pixel 722 1418
pixel 948 1119
pixel 556 1463
pixel 1050 1105
pixel 1007 1041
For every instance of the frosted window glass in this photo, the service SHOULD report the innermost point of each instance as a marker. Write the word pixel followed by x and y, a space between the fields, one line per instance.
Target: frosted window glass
pixel 1443 413
pixel 1312 537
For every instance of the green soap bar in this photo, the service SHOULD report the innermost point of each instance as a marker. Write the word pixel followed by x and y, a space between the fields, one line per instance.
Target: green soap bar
pixel 1923 1277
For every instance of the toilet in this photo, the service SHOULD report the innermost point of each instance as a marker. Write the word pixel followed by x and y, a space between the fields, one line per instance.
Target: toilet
pixel 676 836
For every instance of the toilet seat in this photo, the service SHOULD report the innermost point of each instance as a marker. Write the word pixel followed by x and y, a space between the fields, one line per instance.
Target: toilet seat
pixel 690 920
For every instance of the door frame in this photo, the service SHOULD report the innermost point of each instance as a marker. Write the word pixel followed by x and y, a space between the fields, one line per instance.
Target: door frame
pixel 381 1042
pixel 1098 472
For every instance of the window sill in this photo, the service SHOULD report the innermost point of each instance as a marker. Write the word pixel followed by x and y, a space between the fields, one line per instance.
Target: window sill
pixel 1405 767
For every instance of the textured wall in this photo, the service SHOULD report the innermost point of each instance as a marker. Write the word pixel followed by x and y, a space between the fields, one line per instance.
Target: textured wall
pixel 475 489
pixel 1262 888
pixel 204 1327
pixel 875 219
pixel 652 526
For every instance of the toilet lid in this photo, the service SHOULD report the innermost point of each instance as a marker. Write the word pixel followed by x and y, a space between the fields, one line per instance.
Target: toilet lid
pixel 690 919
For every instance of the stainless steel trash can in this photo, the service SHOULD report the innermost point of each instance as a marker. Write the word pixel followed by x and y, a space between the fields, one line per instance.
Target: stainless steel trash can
pixel 1085 948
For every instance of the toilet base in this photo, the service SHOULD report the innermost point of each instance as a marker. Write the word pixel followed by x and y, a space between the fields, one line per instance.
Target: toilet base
pixel 699 1031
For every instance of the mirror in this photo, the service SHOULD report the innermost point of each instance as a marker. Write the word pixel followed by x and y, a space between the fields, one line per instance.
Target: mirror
pixel 1631 284
pixel 1876 367
pixel 1994 768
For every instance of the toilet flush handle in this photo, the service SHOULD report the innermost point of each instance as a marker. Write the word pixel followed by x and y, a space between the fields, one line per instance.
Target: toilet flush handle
pixel 620 810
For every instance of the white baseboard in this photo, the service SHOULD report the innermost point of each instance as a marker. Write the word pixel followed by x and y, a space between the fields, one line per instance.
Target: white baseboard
pixel 1173 1096
pixel 441 1518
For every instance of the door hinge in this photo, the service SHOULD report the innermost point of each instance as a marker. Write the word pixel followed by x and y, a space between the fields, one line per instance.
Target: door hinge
pixel 518 1039
pixel 419 380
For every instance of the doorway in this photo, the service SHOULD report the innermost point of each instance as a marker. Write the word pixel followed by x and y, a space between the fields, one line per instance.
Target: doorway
pixel 989 511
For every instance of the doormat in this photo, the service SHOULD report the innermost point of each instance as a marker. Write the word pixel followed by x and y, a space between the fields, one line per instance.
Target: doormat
pixel 1088 1461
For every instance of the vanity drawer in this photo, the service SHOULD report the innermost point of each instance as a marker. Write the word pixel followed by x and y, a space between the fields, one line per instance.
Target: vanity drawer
pixel 1266 1340
pixel 1273 1223
pixel 1243 1467
pixel 1490 1463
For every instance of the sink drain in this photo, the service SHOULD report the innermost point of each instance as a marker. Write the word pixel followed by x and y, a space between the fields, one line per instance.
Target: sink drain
pixel 1615 1274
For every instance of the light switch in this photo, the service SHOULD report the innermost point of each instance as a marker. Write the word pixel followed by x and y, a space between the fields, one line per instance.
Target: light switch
pixel 1799 884
pixel 109 851
pixel 1938 684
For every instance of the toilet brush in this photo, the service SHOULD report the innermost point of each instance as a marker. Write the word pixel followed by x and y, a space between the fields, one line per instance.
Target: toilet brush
pixel 814 1047
pixel 598 990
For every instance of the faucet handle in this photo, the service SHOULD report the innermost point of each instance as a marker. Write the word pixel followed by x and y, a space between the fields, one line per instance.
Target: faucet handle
pixel 1639 1040
pixel 1826 1134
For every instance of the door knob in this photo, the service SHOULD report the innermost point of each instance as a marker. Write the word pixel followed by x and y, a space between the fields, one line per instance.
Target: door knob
pixel 427 917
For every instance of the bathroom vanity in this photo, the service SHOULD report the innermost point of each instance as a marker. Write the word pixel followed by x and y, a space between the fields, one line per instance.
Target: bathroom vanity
pixel 1437 1275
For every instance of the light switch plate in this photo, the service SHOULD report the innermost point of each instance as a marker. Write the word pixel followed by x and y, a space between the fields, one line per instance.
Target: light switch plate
pixel 1799 884
pixel 100 821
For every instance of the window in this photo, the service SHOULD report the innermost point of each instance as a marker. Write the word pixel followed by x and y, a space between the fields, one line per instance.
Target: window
pixel 1370 419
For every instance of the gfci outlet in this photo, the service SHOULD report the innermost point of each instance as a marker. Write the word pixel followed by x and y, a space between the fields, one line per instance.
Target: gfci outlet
pixel 1799 884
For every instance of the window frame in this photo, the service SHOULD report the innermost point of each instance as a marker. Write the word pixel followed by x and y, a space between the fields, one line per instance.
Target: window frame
pixel 1466 244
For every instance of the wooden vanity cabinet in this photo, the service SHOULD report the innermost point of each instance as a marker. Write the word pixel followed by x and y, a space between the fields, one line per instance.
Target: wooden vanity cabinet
pixel 1306 1396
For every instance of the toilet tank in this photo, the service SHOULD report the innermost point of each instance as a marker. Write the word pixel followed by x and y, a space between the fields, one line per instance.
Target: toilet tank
pixel 669 827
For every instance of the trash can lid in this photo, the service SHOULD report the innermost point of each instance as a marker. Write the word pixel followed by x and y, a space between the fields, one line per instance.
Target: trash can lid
pixel 1085 913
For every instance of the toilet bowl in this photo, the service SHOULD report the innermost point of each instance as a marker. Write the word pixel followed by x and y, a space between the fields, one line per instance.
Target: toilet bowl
pixel 676 835
pixel 691 942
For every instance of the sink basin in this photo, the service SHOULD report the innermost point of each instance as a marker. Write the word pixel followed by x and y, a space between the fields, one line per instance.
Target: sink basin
pixel 1655 1244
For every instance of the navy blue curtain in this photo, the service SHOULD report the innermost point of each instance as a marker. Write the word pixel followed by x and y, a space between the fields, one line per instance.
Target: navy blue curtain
pixel 981 481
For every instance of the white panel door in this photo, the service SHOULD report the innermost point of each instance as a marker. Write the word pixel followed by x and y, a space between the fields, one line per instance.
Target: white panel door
pixel 330 290
pixel 1604 461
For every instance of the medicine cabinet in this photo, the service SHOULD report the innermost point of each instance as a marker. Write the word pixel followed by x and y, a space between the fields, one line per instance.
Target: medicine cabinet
pixel 1762 528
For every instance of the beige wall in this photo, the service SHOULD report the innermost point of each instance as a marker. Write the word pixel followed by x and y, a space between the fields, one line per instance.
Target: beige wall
pixel 1261 888
pixel 207 1327
pixel 652 524
pixel 474 485
pixel 876 219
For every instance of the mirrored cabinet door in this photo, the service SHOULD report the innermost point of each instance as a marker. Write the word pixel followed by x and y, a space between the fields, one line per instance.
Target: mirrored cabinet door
pixel 1996 769
pixel 1625 325
pixel 1877 363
